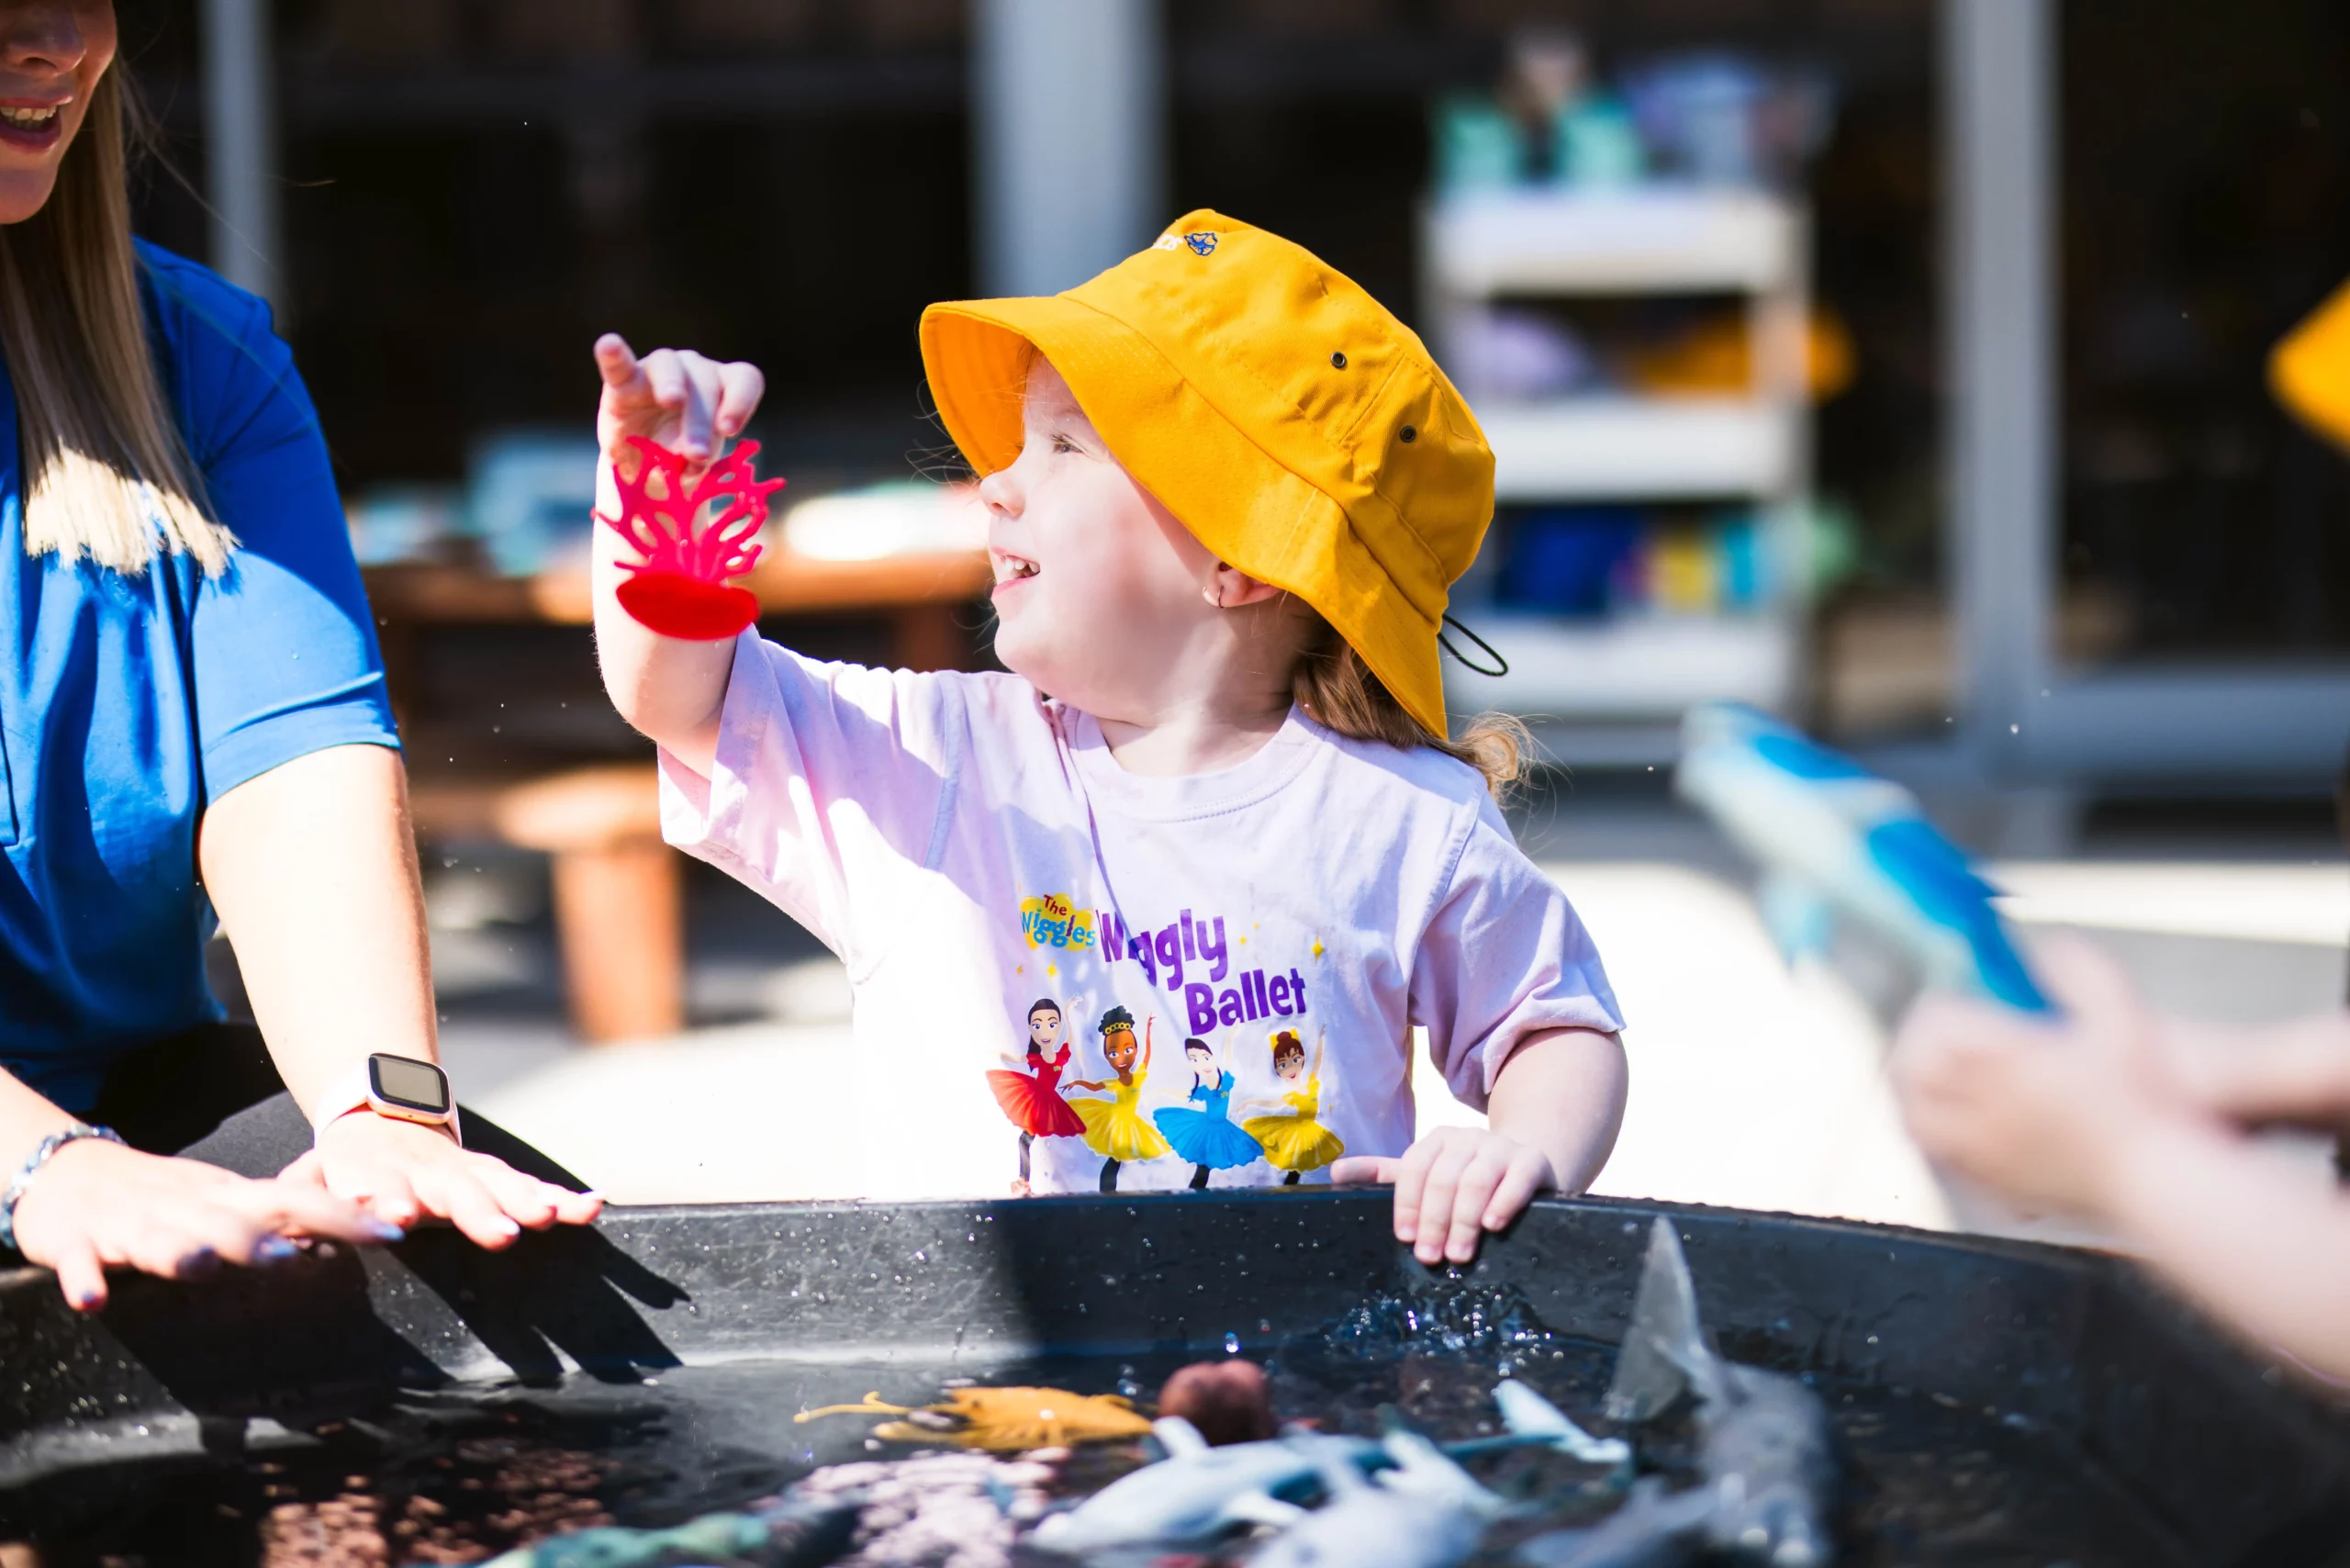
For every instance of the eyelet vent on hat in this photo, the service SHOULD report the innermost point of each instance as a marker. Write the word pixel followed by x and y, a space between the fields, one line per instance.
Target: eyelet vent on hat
pixel 1337 362
pixel 1408 434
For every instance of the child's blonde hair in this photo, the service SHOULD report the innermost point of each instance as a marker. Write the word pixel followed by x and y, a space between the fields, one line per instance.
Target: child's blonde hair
pixel 1333 685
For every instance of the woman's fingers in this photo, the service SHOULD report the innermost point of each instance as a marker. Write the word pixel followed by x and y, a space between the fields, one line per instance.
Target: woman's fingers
pixel 458 1196
pixel 578 1208
pixel 528 1201
pixel 282 1206
pixel 81 1276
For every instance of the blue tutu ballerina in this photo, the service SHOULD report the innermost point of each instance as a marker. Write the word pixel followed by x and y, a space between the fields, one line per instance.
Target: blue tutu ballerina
pixel 1206 1137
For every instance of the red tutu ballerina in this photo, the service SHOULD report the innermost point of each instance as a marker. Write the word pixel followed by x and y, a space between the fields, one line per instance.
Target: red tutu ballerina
pixel 1033 1099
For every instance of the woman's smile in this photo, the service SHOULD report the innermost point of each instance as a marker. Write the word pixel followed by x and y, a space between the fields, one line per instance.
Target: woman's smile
pixel 32 126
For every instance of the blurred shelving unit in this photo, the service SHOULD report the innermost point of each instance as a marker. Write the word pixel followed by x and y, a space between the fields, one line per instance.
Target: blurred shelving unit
pixel 1609 690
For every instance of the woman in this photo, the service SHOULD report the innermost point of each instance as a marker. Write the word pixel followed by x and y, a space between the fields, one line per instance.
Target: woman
pixel 192 720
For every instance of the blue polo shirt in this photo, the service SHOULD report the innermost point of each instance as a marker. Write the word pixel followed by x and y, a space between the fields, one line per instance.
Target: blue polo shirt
pixel 129 703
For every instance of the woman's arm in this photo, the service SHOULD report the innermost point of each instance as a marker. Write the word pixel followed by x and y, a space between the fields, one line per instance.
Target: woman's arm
pixel 96 1204
pixel 312 867
pixel 673 691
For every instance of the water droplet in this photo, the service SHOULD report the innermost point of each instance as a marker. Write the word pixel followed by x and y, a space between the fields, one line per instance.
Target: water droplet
pixel 1232 1344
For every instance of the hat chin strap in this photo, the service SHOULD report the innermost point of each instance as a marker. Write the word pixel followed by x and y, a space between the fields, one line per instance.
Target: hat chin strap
pixel 1501 664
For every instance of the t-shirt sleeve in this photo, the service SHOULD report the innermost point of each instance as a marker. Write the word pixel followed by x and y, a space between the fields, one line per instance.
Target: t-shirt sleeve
pixel 1504 956
pixel 284 657
pixel 829 779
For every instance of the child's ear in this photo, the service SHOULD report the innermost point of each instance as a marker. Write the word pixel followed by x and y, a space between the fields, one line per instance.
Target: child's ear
pixel 1229 587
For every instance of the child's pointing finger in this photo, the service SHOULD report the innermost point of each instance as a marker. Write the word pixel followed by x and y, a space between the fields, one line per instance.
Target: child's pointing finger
pixel 616 362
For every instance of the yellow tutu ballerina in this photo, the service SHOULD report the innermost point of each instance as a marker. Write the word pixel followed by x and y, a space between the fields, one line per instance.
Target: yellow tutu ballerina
pixel 1294 1141
pixel 1115 1128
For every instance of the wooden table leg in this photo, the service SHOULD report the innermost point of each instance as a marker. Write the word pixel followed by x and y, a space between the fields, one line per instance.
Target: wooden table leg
pixel 620 914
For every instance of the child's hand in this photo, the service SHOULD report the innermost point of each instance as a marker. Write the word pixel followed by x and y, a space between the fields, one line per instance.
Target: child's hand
pixel 2046 1113
pixel 2295 1075
pixel 687 402
pixel 1452 1185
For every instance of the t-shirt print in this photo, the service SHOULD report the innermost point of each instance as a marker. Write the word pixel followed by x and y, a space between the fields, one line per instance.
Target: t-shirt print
pixel 1232 1023
pixel 1069 978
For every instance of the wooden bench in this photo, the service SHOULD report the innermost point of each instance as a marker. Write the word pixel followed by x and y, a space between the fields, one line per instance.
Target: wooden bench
pixel 619 894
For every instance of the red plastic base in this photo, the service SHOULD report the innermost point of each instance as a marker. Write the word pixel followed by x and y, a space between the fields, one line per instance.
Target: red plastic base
pixel 686 608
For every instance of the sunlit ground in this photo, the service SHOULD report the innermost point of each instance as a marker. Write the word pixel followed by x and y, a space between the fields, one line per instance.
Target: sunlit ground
pixel 1752 1085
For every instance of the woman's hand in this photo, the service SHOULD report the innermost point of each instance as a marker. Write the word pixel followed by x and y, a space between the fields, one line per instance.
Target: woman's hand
pixel 2047 1112
pixel 1452 1186
pixel 686 401
pixel 96 1204
pixel 401 1172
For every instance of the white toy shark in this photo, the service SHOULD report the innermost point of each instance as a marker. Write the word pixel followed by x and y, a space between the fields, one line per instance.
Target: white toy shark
pixel 1427 1512
pixel 1197 1494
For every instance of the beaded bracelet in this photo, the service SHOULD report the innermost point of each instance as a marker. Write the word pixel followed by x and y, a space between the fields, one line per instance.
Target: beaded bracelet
pixel 31 1167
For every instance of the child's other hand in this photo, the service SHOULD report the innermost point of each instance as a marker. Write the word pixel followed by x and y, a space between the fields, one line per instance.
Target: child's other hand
pixel 1452 1185
pixel 2295 1075
pixel 686 401
pixel 2047 1112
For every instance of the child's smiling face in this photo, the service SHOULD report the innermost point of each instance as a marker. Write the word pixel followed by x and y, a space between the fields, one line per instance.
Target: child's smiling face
pixel 1098 588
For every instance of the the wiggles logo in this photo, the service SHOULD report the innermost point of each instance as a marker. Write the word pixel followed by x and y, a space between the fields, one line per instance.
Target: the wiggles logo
pixel 1055 922
pixel 1203 242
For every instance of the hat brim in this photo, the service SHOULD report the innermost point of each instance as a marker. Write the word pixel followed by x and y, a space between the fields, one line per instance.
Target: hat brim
pixel 1233 497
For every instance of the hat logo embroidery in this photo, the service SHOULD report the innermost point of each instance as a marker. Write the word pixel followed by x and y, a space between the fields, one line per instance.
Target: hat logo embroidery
pixel 1167 242
pixel 1203 242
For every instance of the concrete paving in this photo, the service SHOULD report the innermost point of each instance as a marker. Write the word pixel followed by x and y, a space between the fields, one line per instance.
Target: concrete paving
pixel 1752 1085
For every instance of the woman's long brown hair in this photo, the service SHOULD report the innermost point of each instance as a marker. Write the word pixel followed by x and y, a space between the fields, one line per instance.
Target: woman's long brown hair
pixel 106 473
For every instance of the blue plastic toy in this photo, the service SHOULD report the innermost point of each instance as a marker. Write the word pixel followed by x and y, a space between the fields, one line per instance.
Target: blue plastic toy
pixel 1835 840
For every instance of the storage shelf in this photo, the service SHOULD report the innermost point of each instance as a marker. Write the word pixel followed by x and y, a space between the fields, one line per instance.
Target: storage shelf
pixel 1643 239
pixel 1631 669
pixel 1639 449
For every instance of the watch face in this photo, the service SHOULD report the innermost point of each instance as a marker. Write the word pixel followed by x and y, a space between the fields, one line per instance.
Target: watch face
pixel 412 1085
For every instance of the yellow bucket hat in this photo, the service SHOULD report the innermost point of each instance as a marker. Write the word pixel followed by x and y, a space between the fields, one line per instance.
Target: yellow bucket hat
pixel 1295 426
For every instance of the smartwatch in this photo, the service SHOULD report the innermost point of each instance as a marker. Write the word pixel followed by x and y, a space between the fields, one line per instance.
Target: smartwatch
pixel 402 1088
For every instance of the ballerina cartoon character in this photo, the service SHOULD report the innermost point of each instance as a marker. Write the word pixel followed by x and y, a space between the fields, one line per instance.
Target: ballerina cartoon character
pixel 1033 1099
pixel 1294 1141
pixel 1115 1129
pixel 1206 1137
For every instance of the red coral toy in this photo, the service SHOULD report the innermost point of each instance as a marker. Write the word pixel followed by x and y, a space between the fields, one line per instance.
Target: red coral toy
pixel 680 589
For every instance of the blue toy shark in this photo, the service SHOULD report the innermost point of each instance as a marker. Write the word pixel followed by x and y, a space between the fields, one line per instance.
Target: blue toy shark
pixel 1834 838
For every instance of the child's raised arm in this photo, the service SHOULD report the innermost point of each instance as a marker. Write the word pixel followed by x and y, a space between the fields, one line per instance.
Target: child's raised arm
pixel 671 690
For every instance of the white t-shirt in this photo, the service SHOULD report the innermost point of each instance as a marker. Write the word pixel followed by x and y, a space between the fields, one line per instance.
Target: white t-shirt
pixel 1021 919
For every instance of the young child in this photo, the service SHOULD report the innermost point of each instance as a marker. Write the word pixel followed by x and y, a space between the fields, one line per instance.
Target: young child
pixel 1226 494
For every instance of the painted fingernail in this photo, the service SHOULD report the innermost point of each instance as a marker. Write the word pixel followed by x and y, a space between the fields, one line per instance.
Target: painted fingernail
pixel 88 1301
pixel 273 1249
pixel 385 1230
pixel 506 1227
pixel 204 1261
